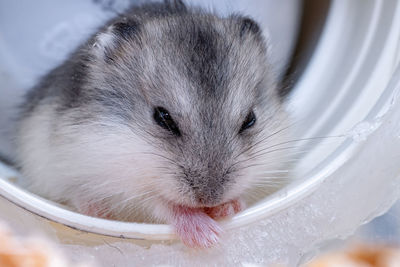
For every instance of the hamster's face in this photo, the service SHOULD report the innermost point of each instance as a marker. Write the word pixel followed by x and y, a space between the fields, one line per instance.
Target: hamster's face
pixel 198 105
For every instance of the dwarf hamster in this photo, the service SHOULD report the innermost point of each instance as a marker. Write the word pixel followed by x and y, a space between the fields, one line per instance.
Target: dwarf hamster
pixel 167 114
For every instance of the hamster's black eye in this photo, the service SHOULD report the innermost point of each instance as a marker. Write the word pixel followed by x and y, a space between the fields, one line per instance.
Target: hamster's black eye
pixel 164 119
pixel 248 122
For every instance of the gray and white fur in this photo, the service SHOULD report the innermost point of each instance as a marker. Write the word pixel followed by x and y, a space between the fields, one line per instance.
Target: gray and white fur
pixel 88 136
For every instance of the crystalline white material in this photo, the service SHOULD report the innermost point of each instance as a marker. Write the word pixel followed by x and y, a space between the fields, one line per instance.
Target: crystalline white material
pixel 361 131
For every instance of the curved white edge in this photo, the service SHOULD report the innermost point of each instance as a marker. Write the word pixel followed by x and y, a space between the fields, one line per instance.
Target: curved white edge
pixel 46 209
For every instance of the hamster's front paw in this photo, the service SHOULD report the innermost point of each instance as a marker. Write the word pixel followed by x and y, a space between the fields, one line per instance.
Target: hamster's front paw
pixel 226 209
pixel 195 228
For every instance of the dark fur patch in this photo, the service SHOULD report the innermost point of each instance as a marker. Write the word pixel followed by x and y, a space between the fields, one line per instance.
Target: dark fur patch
pixel 207 59
pixel 249 26
pixel 204 56
pixel 175 6
pixel 124 31
pixel 108 55
pixel 77 78
pixel 127 29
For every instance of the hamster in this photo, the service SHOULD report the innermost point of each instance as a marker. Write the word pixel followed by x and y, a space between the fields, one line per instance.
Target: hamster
pixel 167 114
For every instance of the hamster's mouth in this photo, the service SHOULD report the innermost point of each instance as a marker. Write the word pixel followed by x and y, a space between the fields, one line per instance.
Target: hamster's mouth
pixel 225 208
pixel 188 203
pixel 219 211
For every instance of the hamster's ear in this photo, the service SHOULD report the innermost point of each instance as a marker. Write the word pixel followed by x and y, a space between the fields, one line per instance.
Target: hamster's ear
pixel 127 30
pixel 112 37
pixel 175 6
pixel 248 26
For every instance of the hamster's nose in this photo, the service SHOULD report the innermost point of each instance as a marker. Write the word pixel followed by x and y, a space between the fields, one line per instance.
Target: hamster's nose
pixel 208 196
pixel 207 201
pixel 207 188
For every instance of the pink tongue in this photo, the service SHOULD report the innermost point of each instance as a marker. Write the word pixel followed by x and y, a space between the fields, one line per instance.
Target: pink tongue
pixel 195 228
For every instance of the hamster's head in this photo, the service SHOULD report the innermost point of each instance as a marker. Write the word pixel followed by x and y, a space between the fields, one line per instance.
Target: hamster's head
pixel 190 101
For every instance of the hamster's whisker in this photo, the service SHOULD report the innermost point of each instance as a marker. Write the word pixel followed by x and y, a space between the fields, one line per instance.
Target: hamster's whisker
pixel 300 140
pixel 260 175
pixel 268 180
pixel 145 137
pixel 294 152
pixel 262 179
pixel 264 139
pixel 164 157
pixel 272 171
pixel 115 183
pixel 269 185
pixel 273 180
pixel 139 198
pixel 258 191
pixel 263 175
pixel 271 157
pixel 261 153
